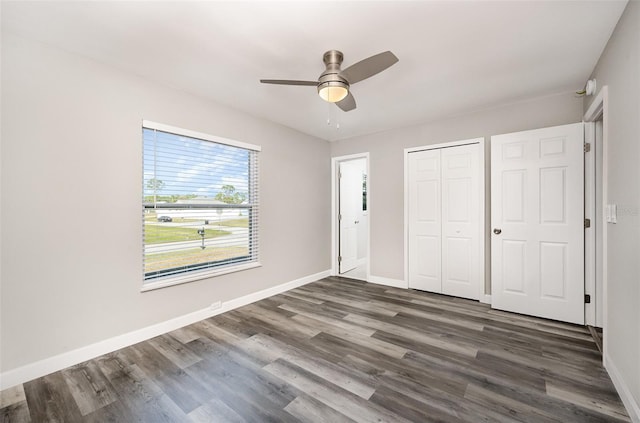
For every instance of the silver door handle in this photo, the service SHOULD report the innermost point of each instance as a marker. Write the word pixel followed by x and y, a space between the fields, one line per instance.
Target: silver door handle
pixel 356 222
pixel 497 231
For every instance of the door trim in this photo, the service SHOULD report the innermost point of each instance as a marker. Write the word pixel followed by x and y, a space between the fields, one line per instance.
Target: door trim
pixel 599 108
pixel 482 206
pixel 335 228
pixel 590 233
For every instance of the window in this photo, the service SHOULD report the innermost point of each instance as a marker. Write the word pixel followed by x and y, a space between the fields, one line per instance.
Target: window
pixel 200 205
pixel 364 192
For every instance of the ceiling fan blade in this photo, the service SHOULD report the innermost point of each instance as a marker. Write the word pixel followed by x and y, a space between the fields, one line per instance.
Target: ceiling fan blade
pixel 289 82
pixel 368 67
pixel 347 103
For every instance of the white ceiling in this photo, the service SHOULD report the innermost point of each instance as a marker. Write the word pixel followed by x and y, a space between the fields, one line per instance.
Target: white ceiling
pixel 455 56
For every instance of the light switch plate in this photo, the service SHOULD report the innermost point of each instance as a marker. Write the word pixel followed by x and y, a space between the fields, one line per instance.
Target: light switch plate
pixel 614 213
pixel 611 213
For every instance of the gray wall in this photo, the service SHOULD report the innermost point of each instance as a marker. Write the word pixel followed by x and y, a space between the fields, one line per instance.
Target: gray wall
pixel 386 176
pixel 619 69
pixel 71 202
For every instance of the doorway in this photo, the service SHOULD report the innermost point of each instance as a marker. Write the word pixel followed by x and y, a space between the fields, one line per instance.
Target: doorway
pixel 350 217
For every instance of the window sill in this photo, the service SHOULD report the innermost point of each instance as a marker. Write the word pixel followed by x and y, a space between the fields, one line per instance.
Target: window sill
pixel 194 276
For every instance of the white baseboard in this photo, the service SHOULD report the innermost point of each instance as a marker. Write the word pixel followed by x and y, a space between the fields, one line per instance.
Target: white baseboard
pixel 630 403
pixel 396 283
pixel 485 298
pixel 53 364
pixel 275 290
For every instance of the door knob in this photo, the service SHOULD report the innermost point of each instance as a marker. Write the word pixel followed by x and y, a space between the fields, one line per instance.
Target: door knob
pixel 497 231
pixel 356 222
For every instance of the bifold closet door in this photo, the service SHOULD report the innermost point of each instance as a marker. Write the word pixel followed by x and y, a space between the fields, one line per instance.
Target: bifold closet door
pixel 444 219
pixel 460 221
pixel 425 223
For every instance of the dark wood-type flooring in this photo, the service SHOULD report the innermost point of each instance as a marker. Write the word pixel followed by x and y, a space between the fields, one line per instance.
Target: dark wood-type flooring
pixel 338 350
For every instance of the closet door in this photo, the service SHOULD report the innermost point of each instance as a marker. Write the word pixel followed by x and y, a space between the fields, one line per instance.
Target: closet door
pixel 424 220
pixel 460 221
pixel 444 200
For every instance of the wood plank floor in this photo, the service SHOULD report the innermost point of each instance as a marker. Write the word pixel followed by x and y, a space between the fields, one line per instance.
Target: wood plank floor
pixel 338 350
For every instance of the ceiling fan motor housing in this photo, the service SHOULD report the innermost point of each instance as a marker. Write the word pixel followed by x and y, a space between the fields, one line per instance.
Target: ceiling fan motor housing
pixel 331 75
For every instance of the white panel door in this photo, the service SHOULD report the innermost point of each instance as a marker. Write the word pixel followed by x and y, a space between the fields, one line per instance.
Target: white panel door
pixel 424 220
pixel 537 219
pixel 460 221
pixel 350 203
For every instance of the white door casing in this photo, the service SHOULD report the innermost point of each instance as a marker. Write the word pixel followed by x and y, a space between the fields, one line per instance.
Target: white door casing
pixel 444 220
pixel 537 220
pixel 594 208
pixel 350 199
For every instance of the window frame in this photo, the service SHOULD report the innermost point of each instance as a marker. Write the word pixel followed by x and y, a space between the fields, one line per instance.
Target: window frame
pixel 149 284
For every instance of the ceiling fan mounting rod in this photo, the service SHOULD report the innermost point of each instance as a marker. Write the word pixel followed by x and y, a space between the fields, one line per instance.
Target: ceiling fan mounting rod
pixel 333 57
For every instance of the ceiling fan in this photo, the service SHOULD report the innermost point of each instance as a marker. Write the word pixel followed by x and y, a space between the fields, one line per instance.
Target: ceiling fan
pixel 333 84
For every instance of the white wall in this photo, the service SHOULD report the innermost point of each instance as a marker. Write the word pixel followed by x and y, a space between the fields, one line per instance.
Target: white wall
pixel 619 69
pixel 386 164
pixel 71 202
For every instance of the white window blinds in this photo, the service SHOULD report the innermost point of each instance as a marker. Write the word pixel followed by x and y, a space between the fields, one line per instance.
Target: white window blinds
pixel 200 204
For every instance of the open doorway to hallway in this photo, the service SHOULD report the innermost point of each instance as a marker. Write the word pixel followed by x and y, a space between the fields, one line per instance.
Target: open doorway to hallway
pixel 351 212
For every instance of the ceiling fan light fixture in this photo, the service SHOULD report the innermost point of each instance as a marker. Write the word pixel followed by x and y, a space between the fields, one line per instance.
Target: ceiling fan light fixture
pixel 333 91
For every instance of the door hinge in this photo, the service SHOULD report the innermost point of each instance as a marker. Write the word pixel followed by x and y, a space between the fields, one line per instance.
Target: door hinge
pixel 587 223
pixel 587 147
pixel 587 299
pixel 339 217
pixel 339 259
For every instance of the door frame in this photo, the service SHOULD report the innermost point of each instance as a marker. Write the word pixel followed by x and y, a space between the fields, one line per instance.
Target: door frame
pixel 482 199
pixel 598 109
pixel 335 210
